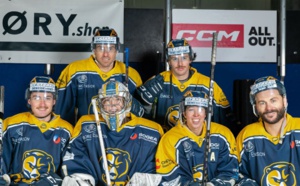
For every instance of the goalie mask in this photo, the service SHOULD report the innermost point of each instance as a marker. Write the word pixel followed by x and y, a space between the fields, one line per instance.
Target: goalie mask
pixel 193 98
pixel 265 83
pixel 114 102
pixel 179 47
pixel 106 36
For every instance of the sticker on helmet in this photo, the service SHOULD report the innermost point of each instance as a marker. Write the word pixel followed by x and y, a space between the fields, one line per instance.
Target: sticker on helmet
pixel 270 84
pixel 196 101
pixel 105 40
pixel 42 87
pixel 178 50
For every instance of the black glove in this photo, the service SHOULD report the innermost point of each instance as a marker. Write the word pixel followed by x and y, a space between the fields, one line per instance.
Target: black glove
pixel 48 179
pixel 137 108
pixel 151 89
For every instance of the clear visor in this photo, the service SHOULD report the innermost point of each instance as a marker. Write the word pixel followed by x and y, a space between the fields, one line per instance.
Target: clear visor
pixel 196 110
pixel 112 104
pixel 42 96
pixel 179 58
pixel 105 48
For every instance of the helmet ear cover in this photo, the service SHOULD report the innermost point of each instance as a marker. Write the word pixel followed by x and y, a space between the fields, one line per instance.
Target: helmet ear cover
pixel 105 35
pixel 179 46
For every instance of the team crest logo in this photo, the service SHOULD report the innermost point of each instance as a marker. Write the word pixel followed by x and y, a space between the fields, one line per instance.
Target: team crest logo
pixel 172 116
pixel 34 163
pixel 198 172
pixel 118 166
pixel 279 174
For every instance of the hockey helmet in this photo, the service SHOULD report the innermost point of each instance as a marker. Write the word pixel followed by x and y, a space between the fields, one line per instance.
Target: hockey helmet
pixel 192 98
pixel 178 47
pixel 115 102
pixel 106 36
pixel 266 83
pixel 41 84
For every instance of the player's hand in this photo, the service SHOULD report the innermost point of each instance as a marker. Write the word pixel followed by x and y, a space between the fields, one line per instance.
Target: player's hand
pixel 247 182
pixel 4 180
pixel 79 179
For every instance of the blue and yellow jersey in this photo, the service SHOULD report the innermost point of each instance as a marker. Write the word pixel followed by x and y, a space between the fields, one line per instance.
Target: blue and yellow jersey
pixel 81 80
pixel 32 147
pixel 180 154
pixel 265 159
pixel 130 149
pixel 167 102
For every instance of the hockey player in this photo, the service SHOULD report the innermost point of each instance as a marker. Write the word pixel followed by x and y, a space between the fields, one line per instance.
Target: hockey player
pixel 163 92
pixel 130 142
pixel 34 142
pixel 82 79
pixel 180 154
pixel 269 148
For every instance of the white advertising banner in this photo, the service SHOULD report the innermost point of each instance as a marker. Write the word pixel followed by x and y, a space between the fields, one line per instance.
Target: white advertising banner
pixel 243 36
pixel 55 31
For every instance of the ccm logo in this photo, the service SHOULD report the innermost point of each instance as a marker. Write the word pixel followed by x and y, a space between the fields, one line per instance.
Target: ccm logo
pixel 200 35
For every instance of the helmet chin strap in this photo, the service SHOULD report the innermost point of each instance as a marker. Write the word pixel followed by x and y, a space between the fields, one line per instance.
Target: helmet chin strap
pixel 282 128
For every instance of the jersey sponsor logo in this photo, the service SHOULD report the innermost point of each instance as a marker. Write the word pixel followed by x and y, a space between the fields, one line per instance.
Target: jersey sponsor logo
pixel 20 139
pixel 88 137
pixel 295 143
pixel 257 154
pixel 172 116
pixel 90 128
pixel 56 139
pixel 133 136
pixel 249 146
pixel 157 164
pixel 165 96
pixel 279 173
pixel 200 35
pixel 19 131
pixel 149 138
pixel 118 166
pixel 82 79
pixel 187 147
pixel 166 163
pixel 34 163
pixel 214 145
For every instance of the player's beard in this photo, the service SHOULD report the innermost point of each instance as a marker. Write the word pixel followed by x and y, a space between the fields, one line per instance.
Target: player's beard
pixel 280 115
